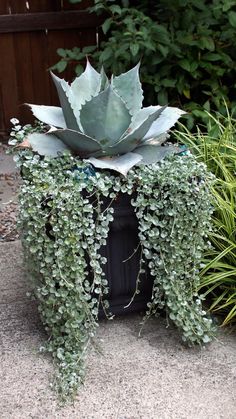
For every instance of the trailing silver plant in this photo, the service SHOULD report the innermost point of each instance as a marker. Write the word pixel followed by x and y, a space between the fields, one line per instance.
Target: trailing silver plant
pixel 104 122
pixel 64 225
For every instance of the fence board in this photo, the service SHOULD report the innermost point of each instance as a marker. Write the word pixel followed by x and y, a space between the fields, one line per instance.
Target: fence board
pixel 30 33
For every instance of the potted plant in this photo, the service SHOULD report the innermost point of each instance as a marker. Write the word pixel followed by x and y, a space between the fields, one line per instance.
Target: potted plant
pixel 103 179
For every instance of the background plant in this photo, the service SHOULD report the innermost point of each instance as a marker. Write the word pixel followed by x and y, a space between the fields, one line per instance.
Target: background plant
pixel 186 48
pixel 217 149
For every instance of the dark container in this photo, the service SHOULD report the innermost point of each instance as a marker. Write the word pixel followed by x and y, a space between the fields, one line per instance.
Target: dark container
pixel 122 273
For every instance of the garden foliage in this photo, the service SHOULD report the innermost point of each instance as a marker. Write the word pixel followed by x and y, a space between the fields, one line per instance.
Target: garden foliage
pixel 217 149
pixel 187 49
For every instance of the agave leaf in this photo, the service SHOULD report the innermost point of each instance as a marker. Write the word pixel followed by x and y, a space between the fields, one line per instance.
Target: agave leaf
pixel 160 139
pixel 51 115
pixel 167 119
pixel 152 153
pixel 129 88
pixel 63 93
pixel 105 117
pixel 80 143
pixel 138 129
pixel 46 144
pixel 121 164
pixel 83 88
pixel 104 80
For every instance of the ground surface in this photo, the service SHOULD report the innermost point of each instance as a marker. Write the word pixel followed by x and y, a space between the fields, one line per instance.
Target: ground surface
pixel 153 377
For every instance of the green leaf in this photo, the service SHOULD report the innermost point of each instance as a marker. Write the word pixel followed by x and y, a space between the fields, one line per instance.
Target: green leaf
pixel 61 52
pixel 134 48
pixel 107 24
pixel 185 64
pixel 105 117
pixel 51 115
pixel 46 144
pixel 128 87
pixel 121 164
pixel 61 66
pixel 232 18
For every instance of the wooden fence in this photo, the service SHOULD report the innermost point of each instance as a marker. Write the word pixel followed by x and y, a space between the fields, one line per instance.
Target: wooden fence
pixel 30 33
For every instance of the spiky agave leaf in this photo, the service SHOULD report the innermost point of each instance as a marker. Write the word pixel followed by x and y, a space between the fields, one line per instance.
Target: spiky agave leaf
pixel 63 90
pixel 46 144
pixel 51 115
pixel 166 121
pixel 121 164
pixel 152 154
pixel 105 117
pixel 129 88
pixel 81 144
pixel 132 138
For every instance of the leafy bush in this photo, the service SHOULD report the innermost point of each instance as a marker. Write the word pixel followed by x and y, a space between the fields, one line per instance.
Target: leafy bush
pixel 64 224
pixel 218 152
pixel 186 48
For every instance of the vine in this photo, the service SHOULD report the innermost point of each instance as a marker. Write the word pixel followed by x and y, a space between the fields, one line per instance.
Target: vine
pixel 66 208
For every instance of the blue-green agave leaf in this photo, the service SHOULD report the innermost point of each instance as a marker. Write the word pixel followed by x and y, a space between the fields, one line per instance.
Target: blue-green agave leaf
pixel 153 154
pixel 83 88
pixel 104 80
pixel 46 144
pixel 129 88
pixel 137 130
pixel 63 90
pixel 51 115
pixel 80 143
pixel 167 119
pixel 105 117
pixel 121 164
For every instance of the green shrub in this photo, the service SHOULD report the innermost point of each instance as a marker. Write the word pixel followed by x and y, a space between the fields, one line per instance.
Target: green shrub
pixel 218 152
pixel 187 50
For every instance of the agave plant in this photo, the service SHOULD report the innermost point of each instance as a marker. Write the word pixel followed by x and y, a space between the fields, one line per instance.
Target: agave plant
pixel 104 122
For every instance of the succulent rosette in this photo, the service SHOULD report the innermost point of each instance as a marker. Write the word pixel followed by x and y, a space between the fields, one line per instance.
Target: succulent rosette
pixel 104 122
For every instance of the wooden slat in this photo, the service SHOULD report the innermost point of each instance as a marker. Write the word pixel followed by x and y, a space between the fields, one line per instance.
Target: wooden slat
pixel 24 74
pixel 44 5
pixel 8 83
pixel 53 20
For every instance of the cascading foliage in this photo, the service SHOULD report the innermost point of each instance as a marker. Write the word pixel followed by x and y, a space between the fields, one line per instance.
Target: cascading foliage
pixel 104 122
pixel 64 225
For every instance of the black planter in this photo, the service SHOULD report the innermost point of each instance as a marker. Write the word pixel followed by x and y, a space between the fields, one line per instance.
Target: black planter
pixel 122 276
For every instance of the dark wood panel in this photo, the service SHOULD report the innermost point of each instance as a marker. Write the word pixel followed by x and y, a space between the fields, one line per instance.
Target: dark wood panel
pixel 24 74
pixel 8 84
pixel 53 20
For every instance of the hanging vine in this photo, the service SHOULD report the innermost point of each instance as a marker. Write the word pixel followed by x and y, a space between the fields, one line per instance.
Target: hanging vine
pixel 66 208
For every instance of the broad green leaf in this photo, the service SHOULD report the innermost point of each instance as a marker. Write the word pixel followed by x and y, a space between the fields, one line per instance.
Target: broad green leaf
pixel 121 164
pixel 51 115
pixel 80 143
pixel 153 154
pixel 167 119
pixel 46 144
pixel 232 18
pixel 105 117
pixel 63 93
pixel 129 88
pixel 137 129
